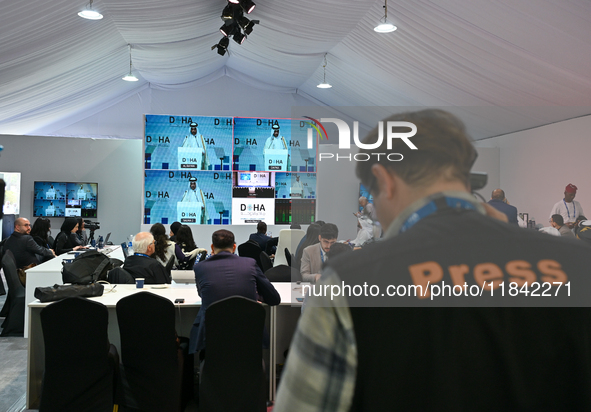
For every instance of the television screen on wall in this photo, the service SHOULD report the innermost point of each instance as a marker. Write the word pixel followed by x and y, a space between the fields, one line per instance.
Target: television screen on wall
pixel 228 170
pixel 65 199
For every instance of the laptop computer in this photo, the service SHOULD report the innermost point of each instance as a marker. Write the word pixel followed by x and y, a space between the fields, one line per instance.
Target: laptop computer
pixel 107 239
pixel 124 247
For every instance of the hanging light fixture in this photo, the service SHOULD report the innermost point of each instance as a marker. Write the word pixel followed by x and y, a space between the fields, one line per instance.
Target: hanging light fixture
pixel 385 26
pixel 130 77
pixel 90 14
pixel 324 85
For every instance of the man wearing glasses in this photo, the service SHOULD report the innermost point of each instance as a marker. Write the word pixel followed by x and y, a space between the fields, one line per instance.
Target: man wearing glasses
pixel 315 255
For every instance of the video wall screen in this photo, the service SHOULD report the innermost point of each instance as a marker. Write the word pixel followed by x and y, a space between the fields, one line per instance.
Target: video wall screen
pixel 65 199
pixel 12 192
pixel 228 170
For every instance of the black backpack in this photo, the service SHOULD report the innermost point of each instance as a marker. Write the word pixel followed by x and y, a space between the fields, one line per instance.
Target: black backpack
pixel 86 268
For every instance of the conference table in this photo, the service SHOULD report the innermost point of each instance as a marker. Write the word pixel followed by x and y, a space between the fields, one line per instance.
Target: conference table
pixel 281 321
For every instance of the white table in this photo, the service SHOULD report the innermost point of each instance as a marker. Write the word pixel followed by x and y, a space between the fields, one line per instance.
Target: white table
pixel 282 320
pixel 49 274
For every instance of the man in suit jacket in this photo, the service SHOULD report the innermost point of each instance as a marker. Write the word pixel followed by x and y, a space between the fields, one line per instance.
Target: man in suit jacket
pixel 499 202
pixel 223 275
pixel 261 235
pixel 315 255
pixel 22 245
pixel 142 265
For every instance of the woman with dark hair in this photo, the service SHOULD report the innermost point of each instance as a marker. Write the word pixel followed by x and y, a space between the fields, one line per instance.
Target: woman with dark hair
pixel 81 232
pixel 165 248
pixel 186 250
pixel 311 238
pixel 40 232
pixel 67 240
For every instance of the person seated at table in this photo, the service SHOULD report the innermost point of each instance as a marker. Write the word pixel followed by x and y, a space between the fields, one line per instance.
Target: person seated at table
pixel 41 235
pixel 164 247
pixel 23 247
pixel 186 249
pixel 174 227
pixel 67 240
pixel 223 275
pixel 81 232
pixel 141 264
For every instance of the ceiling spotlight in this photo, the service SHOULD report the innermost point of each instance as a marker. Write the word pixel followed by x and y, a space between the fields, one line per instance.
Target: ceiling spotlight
pixel 229 28
pixel 222 46
pixel 234 1
pixel 247 5
pixel 130 77
pixel 385 26
pixel 239 38
pixel 324 85
pixel 227 13
pixel 90 14
pixel 247 25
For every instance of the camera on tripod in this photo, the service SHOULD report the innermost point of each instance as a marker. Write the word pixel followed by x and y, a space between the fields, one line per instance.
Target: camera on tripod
pixel 92 226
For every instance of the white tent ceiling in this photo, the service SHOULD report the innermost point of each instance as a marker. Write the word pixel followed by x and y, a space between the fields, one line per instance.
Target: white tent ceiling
pixel 527 62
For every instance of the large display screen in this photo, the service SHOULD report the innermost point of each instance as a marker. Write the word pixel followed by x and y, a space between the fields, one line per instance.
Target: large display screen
pixel 12 192
pixel 64 199
pixel 228 170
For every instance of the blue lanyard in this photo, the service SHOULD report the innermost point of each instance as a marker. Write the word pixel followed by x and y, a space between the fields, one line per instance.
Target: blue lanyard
pixel 141 254
pixel 574 209
pixel 433 206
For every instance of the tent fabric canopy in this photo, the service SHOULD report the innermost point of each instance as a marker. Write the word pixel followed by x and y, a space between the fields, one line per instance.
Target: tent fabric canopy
pixel 528 61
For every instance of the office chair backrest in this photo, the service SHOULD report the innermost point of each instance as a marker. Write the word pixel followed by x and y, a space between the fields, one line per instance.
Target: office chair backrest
pixel 14 306
pixel 266 262
pixel 149 352
pixel 232 378
pixel 79 374
pixel 252 250
pixel 120 276
pixel 283 273
pixel 288 238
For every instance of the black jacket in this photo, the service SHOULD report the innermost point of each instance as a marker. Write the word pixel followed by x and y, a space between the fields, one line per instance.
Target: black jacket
pixel 439 357
pixel 65 243
pixel 146 267
pixel 25 249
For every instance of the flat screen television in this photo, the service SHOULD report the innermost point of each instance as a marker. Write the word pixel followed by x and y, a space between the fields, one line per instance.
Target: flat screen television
pixel 65 199
pixel 228 170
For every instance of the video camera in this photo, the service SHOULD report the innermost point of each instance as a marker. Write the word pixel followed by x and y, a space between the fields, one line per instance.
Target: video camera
pixel 92 226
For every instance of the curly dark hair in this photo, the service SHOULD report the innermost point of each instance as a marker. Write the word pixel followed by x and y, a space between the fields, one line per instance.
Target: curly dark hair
pixel 161 240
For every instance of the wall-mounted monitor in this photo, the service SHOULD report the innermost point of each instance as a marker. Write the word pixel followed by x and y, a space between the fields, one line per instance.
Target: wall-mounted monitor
pixel 63 199
pixel 228 170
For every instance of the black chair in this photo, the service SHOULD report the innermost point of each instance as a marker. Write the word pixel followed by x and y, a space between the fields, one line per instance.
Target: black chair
pixel 120 276
pixel 169 265
pixel 288 257
pixel 232 375
pixel 266 262
pixel 80 364
pixel 14 323
pixel 283 273
pixel 251 249
pixel 154 366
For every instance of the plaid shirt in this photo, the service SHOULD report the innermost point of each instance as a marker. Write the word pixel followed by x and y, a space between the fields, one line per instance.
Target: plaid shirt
pixel 322 363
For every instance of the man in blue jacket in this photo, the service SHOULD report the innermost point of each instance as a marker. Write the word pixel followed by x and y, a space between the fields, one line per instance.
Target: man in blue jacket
pixel 499 202
pixel 223 275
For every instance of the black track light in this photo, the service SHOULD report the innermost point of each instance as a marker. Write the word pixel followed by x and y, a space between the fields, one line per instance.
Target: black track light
pixel 239 38
pixel 247 25
pixel 222 46
pixel 229 28
pixel 247 5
